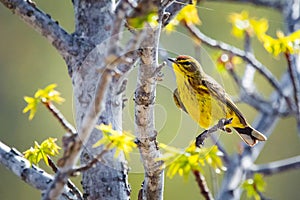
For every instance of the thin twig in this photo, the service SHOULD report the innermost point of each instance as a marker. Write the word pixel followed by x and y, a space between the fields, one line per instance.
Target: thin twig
pixel 200 179
pixel 265 3
pixel 255 99
pixel 173 10
pixel 92 163
pixel 122 9
pixel 296 86
pixel 71 185
pixel 220 125
pixel 248 57
pixel 277 166
pixel 59 116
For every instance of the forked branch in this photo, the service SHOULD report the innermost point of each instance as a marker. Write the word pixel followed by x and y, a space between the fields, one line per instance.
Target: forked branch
pixel 248 57
pixel 220 125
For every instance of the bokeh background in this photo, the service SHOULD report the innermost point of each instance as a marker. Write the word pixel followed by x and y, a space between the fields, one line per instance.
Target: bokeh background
pixel 28 62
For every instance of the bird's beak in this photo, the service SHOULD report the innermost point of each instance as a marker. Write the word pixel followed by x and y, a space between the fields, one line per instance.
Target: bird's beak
pixel 172 60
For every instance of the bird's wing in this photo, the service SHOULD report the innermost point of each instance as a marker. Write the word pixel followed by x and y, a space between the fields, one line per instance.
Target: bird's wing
pixel 216 90
pixel 178 101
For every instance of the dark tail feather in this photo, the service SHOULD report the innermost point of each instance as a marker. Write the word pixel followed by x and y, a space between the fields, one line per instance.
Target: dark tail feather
pixel 250 136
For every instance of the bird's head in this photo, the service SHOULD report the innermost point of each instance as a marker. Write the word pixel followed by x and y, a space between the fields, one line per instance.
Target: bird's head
pixel 186 65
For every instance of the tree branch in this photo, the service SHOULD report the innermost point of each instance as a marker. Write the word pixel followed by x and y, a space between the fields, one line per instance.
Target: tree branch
pixel 292 70
pixel 71 185
pixel 277 4
pixel 93 161
pixel 76 141
pixel 248 57
pixel 200 179
pixel 73 151
pixel 46 26
pixel 144 119
pixel 220 125
pixel 174 9
pixel 34 176
pixel 239 165
pixel 59 116
pixel 252 97
pixel 277 166
pixel 144 113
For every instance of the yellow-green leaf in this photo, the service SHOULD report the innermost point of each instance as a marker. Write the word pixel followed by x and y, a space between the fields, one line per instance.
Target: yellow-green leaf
pixel 139 21
pixel 49 94
pixel 188 15
pixel 254 186
pixel 242 23
pixel 45 95
pixel 192 159
pixel 50 147
pixel 31 106
pixel 38 152
pixel 121 141
pixel 282 44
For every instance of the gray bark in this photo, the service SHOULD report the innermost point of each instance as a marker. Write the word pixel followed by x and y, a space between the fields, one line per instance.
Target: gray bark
pixel 144 118
pixel 106 180
pixel 94 21
pixel 34 176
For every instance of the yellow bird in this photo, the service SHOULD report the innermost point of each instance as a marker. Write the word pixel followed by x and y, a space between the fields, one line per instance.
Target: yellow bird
pixel 200 96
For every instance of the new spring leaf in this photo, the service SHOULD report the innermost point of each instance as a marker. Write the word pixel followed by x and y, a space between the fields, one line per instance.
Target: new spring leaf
pixel 191 159
pixel 46 95
pixel 121 141
pixel 40 151
pixel 254 186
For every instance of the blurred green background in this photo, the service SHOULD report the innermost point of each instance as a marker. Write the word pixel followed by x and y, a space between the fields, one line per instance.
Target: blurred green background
pixel 28 62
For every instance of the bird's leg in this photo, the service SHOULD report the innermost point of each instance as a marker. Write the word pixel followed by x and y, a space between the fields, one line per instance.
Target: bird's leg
pixel 220 125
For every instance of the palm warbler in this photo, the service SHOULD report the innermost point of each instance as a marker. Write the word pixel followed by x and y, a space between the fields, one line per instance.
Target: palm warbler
pixel 205 100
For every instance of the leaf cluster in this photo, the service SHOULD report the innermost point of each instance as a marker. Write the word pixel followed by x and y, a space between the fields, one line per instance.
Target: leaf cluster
pixel 121 141
pixel 243 24
pixel 254 186
pixel 191 159
pixel 46 95
pixel 40 151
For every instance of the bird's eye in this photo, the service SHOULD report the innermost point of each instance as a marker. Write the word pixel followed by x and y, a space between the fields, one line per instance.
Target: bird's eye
pixel 186 63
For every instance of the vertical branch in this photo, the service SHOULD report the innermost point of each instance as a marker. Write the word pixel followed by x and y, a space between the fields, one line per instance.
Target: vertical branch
pixel 144 117
pixel 291 14
pixel 296 86
pixel 144 113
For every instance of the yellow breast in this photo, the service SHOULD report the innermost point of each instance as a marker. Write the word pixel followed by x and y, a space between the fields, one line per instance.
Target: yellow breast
pixel 200 105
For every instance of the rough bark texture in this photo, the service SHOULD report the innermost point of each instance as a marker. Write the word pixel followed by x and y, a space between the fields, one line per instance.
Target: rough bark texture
pixel 34 176
pixel 109 177
pixel 144 118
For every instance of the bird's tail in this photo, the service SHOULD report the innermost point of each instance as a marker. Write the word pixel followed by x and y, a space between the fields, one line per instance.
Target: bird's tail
pixel 250 136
